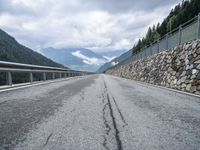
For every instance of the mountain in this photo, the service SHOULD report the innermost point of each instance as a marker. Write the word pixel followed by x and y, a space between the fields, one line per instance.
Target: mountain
pixel 12 51
pixel 118 60
pixel 109 55
pixel 76 58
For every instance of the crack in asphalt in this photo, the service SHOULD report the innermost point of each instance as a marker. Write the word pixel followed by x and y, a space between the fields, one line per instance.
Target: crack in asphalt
pixel 120 113
pixel 3 102
pixel 107 127
pixel 117 137
pixel 47 140
pixel 82 95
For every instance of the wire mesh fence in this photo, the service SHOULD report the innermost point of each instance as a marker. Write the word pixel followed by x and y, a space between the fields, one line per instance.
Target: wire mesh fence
pixel 184 33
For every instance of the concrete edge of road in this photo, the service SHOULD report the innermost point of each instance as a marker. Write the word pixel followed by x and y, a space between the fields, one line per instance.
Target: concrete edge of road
pixel 162 87
pixel 25 85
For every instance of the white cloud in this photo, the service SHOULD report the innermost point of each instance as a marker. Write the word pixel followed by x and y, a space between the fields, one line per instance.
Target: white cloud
pixel 93 24
pixel 88 60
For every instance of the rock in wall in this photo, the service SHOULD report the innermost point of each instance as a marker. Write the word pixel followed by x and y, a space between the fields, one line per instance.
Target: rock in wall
pixel 177 68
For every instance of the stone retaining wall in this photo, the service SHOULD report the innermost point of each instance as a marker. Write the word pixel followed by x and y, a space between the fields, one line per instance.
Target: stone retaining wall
pixel 177 68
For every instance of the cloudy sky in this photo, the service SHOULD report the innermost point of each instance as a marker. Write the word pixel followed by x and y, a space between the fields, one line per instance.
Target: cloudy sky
pixel 95 24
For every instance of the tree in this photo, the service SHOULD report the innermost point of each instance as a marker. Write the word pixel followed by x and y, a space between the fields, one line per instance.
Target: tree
pixel 181 13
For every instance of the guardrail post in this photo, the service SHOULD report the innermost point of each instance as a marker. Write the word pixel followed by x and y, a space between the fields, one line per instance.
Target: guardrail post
pixel 179 37
pixel 44 76
pixel 60 75
pixel 8 78
pixel 30 77
pixel 53 75
pixel 198 26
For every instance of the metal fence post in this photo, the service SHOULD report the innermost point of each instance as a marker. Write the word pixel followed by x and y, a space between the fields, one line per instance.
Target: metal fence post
pixel 30 77
pixel 150 49
pixel 167 40
pixel 179 37
pixel 158 46
pixel 198 26
pixel 136 56
pixel 8 78
pixel 145 53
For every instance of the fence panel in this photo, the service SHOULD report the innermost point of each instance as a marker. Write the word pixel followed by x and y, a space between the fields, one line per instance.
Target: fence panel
pixel 189 32
pixel 148 52
pixel 163 45
pixel 138 56
pixel 143 54
pixel 173 40
pixel 134 57
pixel 155 48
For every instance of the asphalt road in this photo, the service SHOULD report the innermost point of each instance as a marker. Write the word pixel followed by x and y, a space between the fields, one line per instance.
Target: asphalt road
pixel 98 112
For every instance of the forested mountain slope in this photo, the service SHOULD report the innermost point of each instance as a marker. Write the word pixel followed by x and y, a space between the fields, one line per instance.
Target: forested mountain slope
pixel 180 14
pixel 12 51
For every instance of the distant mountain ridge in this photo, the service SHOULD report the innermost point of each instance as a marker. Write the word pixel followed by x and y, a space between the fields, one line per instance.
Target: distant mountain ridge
pixel 78 58
pixel 12 51
pixel 114 53
pixel 123 57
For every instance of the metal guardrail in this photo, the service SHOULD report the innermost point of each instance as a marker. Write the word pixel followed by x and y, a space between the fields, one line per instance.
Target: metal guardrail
pixel 10 67
pixel 186 32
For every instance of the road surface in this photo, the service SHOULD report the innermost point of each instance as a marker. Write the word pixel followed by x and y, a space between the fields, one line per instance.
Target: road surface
pixel 98 112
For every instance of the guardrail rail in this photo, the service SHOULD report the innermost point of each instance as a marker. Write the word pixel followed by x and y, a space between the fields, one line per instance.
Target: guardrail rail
pixel 10 67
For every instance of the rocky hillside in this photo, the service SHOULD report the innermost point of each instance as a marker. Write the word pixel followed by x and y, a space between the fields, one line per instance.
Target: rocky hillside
pixel 177 68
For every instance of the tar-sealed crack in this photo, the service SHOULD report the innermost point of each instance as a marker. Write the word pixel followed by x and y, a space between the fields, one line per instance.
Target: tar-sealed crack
pixel 3 102
pixel 120 113
pixel 82 95
pixel 108 106
pixel 47 140
pixel 108 128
